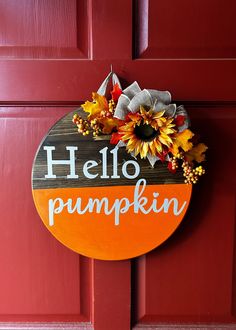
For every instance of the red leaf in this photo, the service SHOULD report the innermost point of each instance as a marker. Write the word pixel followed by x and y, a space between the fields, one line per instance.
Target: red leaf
pixel 170 168
pixel 179 120
pixel 115 138
pixel 162 156
pixel 116 92
pixel 127 119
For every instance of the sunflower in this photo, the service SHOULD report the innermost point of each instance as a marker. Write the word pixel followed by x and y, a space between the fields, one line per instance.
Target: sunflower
pixel 148 133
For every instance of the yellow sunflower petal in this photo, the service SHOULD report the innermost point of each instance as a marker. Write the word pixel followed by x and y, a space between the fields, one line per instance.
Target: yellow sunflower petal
pixel 127 136
pixel 135 117
pixel 168 130
pixel 152 148
pixel 137 148
pixel 161 121
pixel 158 114
pixel 158 146
pixel 131 143
pixel 144 149
pixel 142 110
pixel 164 141
pixel 126 129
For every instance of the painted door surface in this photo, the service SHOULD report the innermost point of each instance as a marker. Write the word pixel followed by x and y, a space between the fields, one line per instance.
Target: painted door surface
pixel 53 54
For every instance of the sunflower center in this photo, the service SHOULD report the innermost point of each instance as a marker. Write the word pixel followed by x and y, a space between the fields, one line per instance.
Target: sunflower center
pixel 145 132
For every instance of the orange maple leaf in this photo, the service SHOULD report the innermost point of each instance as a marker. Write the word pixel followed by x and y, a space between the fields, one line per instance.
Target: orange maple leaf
pixel 109 124
pixel 197 153
pixel 181 140
pixel 94 108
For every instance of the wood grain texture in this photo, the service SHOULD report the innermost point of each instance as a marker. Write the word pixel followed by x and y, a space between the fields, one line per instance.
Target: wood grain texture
pixel 64 133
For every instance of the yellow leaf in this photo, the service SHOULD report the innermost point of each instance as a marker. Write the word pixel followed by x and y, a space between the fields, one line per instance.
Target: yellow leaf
pixel 181 140
pixel 109 124
pixel 197 153
pixel 94 108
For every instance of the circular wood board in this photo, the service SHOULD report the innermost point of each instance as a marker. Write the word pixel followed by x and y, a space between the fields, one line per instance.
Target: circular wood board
pixel 108 217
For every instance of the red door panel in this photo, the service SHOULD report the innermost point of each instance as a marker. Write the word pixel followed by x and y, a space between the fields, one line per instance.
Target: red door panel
pixel 39 29
pixel 39 278
pixel 191 277
pixel 184 29
pixel 53 54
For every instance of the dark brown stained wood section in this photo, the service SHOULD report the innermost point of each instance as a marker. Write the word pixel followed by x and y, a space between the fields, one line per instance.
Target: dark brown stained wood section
pixel 64 133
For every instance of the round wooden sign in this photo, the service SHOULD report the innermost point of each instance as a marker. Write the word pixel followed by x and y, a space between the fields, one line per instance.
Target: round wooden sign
pixel 99 201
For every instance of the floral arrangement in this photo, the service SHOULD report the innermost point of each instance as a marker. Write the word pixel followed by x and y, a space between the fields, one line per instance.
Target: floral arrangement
pixel 147 124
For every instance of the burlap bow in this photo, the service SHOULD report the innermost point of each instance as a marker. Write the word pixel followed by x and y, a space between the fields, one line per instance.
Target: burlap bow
pixel 133 97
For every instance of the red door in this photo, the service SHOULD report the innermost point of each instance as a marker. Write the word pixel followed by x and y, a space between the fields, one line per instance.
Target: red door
pixel 52 55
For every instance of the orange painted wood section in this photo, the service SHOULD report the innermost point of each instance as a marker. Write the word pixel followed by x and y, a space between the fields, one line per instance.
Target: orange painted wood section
pixel 113 235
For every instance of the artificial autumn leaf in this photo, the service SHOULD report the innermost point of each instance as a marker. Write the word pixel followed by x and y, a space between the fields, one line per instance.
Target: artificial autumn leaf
pixel 115 137
pixel 162 155
pixel 181 140
pixel 197 153
pixel 116 92
pixel 94 108
pixel 109 124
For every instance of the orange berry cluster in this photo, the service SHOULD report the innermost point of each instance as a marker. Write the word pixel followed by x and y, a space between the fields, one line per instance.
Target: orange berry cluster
pixel 95 124
pixel 85 125
pixel 110 111
pixel 111 106
pixel 192 174
pixel 95 127
pixel 174 163
pixel 82 124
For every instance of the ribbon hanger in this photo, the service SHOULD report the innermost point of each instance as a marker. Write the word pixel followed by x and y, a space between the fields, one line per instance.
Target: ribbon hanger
pixel 115 80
